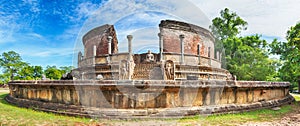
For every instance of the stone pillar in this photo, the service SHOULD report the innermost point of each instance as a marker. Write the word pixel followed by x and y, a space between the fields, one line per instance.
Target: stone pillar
pixel 209 56
pixel 182 48
pixel 218 56
pixel 79 58
pixel 129 37
pixel 130 59
pixel 94 54
pixel 82 75
pixel 199 54
pixel 109 44
pixel 161 46
pixel 95 50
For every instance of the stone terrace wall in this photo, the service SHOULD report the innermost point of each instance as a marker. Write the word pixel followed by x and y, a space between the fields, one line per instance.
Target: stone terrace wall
pixel 161 94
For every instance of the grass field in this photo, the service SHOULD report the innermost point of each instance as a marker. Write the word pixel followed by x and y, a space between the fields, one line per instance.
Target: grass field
pixel 12 115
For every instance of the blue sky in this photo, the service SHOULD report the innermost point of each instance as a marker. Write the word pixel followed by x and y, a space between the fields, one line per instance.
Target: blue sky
pixel 47 32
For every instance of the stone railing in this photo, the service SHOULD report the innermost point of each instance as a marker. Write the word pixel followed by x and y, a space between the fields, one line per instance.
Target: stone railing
pixel 200 72
pixel 193 60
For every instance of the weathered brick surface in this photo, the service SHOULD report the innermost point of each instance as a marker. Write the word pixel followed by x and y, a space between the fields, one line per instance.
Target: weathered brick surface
pixel 98 36
pixel 194 35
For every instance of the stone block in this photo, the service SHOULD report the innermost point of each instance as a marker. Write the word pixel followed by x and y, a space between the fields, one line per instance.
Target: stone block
pixel 141 100
pixel 150 103
pixel 66 96
pixel 241 97
pixel 58 95
pixel 44 95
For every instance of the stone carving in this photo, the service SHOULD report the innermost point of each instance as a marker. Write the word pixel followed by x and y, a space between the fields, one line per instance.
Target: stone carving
pixel 156 74
pixel 124 69
pixel 149 57
pixel 169 70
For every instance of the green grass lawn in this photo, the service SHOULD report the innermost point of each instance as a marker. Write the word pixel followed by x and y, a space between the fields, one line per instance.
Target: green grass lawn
pixel 296 96
pixel 240 118
pixel 12 115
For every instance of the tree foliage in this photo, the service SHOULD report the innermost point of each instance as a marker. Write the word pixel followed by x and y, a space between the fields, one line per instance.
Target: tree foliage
pixel 11 62
pixel 246 57
pixel 53 72
pixel 290 55
pixel 4 78
pixel 66 69
pixel 15 69
pixel 228 25
pixel 30 73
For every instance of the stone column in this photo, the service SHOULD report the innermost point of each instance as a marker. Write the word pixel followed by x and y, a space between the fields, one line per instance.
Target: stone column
pixel 130 59
pixel 109 44
pixel 82 75
pixel 218 56
pixel 95 50
pixel 94 54
pixel 129 37
pixel 182 48
pixel 161 46
pixel 79 58
pixel 199 54
pixel 209 56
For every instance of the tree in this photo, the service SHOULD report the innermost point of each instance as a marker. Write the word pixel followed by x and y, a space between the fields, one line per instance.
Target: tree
pixel 290 55
pixel 247 56
pixel 53 72
pixel 248 59
pixel 11 62
pixel 66 69
pixel 30 73
pixel 4 78
pixel 228 25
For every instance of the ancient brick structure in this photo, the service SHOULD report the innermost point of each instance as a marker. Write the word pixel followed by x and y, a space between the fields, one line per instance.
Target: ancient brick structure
pixel 193 36
pixel 189 47
pixel 184 78
pixel 98 37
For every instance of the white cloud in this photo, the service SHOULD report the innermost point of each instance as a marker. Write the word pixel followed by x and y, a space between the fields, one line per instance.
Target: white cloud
pixel 35 36
pixel 131 16
pixel 266 17
pixel 34 5
pixel 82 11
pixel 142 39
pixel 45 52
pixel 115 10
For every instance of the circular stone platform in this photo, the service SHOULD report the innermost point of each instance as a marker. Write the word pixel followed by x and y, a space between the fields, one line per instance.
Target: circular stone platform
pixel 147 99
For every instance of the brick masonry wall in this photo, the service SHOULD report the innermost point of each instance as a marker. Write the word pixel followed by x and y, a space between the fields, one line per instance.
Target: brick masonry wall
pixel 99 37
pixel 171 40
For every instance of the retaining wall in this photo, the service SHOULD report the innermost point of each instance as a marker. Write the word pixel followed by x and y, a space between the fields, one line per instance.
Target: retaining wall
pixel 147 99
